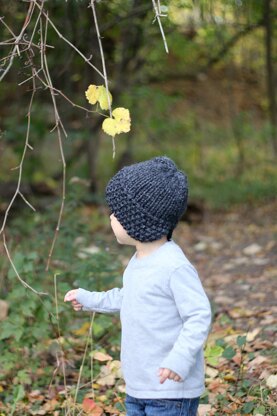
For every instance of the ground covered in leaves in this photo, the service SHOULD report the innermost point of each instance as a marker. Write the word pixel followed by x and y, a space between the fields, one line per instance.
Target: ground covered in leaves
pixel 235 254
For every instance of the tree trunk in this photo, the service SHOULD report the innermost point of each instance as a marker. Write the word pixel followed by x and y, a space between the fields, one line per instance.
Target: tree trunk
pixel 270 75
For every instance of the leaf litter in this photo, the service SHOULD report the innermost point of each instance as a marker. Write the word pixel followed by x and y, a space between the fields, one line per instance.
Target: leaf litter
pixel 238 271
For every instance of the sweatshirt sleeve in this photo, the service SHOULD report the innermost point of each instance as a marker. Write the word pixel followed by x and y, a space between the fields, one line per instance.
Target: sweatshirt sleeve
pixel 104 302
pixel 195 311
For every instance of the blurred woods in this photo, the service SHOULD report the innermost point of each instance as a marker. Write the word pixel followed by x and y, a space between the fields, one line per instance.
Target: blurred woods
pixel 210 103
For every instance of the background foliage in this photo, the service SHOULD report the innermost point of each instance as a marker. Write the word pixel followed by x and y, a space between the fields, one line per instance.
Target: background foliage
pixel 210 104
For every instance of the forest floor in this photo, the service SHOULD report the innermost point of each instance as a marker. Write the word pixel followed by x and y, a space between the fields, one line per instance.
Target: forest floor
pixel 234 252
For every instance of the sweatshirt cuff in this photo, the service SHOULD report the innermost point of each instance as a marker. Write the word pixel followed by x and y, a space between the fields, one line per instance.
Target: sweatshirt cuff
pixel 84 298
pixel 178 363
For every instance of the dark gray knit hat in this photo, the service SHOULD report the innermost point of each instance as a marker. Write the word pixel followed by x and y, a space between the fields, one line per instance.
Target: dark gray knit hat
pixel 148 198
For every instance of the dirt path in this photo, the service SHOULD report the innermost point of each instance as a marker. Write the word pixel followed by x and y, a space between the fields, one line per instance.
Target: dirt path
pixel 235 254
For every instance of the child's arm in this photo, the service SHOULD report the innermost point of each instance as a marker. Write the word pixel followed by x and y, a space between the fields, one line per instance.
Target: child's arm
pixel 195 310
pixel 104 302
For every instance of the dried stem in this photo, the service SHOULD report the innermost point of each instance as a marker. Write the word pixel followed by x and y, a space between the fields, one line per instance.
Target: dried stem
pixel 67 41
pixel 58 126
pixel 89 338
pixel 102 54
pixel 157 16
pixel 16 272
pixel 18 39
pixel 59 334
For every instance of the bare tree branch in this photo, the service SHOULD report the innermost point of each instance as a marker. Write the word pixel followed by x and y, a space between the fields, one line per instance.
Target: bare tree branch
pixel 18 39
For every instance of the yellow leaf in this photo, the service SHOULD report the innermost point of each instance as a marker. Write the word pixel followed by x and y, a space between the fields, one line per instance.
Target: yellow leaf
pixel 83 330
pixel 92 94
pixel 122 118
pixel 109 126
pixel 103 97
pixel 121 113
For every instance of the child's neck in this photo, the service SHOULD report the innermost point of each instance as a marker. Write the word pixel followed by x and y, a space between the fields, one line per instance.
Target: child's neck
pixel 144 249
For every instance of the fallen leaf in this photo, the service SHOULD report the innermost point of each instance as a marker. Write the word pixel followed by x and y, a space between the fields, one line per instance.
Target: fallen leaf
pixel 108 380
pixel 100 356
pixel 250 336
pixel 83 330
pixel 217 386
pixel 229 377
pixel 88 405
pixel 204 409
pixel 211 372
pixel 256 362
pixel 264 374
pixel 112 410
pixel 115 367
pixel 271 381
pixel 4 307
pixel 91 408
pixel 252 249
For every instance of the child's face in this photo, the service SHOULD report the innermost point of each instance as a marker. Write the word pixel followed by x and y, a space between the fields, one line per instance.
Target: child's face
pixel 120 233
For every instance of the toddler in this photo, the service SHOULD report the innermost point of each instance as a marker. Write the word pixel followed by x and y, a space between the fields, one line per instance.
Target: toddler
pixel 164 311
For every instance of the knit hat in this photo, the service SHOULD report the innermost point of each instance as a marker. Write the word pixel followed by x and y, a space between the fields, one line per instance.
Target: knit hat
pixel 148 198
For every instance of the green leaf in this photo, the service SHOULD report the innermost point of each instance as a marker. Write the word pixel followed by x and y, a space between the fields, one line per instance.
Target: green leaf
pixel 259 410
pixel 246 383
pixel 23 377
pixel 248 407
pixel 7 330
pixel 18 333
pixel 212 354
pixel 18 393
pixel 221 342
pixel 229 353
pixel 241 340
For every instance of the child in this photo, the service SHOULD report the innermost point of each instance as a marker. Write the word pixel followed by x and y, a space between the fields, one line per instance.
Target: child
pixel 164 311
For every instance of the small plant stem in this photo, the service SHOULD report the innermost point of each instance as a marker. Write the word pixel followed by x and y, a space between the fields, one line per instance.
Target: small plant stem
pixel 101 53
pixel 89 337
pixel 157 16
pixel 87 60
pixel 59 334
pixel 16 272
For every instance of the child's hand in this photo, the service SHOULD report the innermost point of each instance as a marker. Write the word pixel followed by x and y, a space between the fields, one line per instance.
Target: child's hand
pixel 71 297
pixel 166 373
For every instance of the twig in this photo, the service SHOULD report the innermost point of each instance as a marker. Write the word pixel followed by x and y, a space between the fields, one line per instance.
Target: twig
pixel 18 38
pixel 59 333
pixel 102 54
pixel 57 125
pixel 84 357
pixel 27 202
pixel 63 95
pixel 67 41
pixel 16 272
pixel 157 16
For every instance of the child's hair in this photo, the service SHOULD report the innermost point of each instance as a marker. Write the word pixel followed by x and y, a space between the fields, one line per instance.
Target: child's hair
pixel 148 198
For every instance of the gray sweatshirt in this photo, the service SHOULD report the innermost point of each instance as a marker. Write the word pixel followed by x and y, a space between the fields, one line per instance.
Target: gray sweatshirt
pixel 165 317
